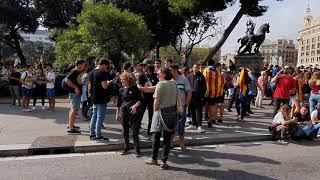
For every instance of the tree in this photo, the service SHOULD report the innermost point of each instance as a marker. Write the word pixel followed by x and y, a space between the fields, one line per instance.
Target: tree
pixel 164 24
pixel 197 29
pixel 247 7
pixel 107 30
pixel 16 16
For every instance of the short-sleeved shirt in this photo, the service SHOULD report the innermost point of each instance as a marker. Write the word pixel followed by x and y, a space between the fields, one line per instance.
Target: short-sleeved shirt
pixel 278 118
pixel 128 97
pixel 99 95
pixel 183 86
pixel 75 77
pixel 284 85
pixel 166 93
pixel 14 82
pixel 51 76
pixel 28 80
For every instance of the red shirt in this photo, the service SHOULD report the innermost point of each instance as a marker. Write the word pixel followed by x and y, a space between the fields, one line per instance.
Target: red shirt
pixel 284 85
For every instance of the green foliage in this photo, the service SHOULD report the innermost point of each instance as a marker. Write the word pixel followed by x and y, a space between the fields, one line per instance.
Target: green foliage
pixel 58 13
pixel 163 24
pixel 103 30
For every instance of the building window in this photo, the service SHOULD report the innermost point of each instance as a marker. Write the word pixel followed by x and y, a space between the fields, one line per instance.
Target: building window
pixel 308 48
pixel 318 46
pixel 302 48
pixel 307 41
pixel 313 46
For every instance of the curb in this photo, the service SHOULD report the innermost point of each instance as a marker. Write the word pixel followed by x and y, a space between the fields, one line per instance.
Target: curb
pixel 90 146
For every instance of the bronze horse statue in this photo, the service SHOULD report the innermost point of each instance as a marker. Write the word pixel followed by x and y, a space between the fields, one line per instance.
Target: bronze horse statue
pixel 256 39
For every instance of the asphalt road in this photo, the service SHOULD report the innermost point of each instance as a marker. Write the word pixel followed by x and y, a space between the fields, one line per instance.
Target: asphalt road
pixel 245 161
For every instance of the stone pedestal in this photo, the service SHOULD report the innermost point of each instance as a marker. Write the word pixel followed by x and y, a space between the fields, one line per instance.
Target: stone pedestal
pixel 251 61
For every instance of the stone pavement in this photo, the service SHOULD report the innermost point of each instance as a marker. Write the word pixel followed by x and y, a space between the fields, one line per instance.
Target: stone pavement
pixel 41 132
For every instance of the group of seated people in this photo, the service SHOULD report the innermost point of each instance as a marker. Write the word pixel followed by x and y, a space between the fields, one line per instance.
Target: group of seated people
pixel 300 125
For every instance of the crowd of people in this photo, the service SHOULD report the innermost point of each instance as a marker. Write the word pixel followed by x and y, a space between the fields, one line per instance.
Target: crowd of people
pixel 176 97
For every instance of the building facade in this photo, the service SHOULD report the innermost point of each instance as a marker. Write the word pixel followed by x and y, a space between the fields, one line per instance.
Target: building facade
pixel 39 36
pixel 309 41
pixel 279 52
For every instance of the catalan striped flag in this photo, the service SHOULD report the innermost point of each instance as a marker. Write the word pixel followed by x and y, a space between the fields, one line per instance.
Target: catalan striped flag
pixel 214 81
pixel 242 85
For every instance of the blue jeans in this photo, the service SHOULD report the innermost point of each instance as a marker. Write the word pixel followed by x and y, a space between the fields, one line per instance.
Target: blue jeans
pixel 316 129
pixel 313 101
pixel 98 115
pixel 182 122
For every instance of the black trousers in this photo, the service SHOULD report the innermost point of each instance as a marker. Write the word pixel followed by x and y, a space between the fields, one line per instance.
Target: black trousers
pixel 147 104
pixel 39 91
pixel 166 145
pixel 249 100
pixel 232 98
pixel 241 105
pixel 196 113
pixel 278 103
pixel 133 122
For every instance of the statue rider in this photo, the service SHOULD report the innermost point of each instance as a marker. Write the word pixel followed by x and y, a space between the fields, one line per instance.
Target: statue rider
pixel 250 31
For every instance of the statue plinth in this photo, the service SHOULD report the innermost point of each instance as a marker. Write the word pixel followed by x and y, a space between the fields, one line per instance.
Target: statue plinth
pixel 251 61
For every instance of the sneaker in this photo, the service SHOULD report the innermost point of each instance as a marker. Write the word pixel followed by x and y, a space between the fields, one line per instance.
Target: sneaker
pixel 163 165
pixel 191 127
pixel 318 136
pixel 33 108
pixel 73 131
pixel 29 110
pixel 151 161
pixel 138 154
pixel 75 127
pixel 43 108
pixel 93 137
pixel 219 120
pixel 103 127
pixel 200 130
pixel 228 110
pixel 283 141
pixel 125 152
pixel 101 138
pixel 250 112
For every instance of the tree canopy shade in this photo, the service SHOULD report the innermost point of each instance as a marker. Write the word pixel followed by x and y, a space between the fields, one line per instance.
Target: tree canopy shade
pixel 58 13
pixel 164 24
pixel 104 29
pixel 15 16
pixel 251 8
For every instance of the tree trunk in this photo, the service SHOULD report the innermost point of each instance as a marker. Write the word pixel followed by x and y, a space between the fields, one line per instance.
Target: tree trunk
pixel 225 35
pixel 158 51
pixel 20 53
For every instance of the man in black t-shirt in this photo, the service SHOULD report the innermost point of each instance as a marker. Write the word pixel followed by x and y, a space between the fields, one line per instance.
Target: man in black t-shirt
pixel 73 81
pixel 14 84
pixel 98 85
pixel 146 83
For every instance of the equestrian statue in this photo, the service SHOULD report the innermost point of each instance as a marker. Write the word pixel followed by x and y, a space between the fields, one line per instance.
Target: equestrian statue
pixel 253 39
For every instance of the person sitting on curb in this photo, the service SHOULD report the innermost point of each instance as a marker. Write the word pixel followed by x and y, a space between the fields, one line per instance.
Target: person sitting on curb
pixel 303 121
pixel 282 123
pixel 315 120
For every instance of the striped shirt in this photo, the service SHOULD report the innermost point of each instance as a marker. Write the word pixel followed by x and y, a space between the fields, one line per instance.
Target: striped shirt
pixel 215 82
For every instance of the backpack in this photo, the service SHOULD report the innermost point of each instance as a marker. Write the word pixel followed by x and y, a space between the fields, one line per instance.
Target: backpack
pixel 64 85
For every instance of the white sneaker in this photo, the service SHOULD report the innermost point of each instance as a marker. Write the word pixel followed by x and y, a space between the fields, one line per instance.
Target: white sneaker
pixel 283 141
pixel 29 110
pixel 318 136
pixel 33 108
pixel 191 127
pixel 200 130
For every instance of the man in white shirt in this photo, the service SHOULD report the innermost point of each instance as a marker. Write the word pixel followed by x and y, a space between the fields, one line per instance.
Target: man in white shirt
pixel 50 86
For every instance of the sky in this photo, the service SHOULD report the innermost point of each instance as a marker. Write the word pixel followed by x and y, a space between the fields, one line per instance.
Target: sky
pixel 285 18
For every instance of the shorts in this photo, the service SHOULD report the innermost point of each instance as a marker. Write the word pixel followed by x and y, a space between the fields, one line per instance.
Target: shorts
pixel 220 99
pixel 75 101
pixel 51 93
pixel 211 101
pixel 182 122
pixel 26 91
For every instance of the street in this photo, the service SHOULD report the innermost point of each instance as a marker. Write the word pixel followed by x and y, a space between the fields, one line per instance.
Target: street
pixel 263 160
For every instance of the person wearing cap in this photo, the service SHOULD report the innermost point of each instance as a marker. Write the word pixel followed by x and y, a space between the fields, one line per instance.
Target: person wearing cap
pixel 184 91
